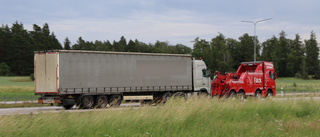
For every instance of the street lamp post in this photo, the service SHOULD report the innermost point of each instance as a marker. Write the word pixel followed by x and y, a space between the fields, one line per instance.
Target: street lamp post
pixel 255 24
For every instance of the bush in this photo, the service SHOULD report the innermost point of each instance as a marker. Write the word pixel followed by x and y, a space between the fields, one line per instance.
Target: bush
pixel 294 84
pixel 317 76
pixel 4 69
pixel 298 75
pixel 32 77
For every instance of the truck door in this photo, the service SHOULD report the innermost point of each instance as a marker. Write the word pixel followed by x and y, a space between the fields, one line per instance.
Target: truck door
pixel 270 79
pixel 201 76
pixel 206 81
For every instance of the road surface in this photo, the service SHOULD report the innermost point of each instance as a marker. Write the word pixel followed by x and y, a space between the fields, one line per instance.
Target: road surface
pixel 52 109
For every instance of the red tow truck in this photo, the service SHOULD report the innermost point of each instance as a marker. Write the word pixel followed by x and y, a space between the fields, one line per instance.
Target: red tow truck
pixel 251 78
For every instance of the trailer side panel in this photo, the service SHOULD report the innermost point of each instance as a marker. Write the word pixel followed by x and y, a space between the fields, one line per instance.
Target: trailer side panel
pixel 92 72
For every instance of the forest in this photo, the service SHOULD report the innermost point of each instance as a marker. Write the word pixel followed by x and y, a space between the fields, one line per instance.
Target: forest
pixel 291 57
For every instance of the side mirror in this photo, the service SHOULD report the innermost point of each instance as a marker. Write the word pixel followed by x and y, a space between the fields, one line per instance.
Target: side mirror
pixel 275 75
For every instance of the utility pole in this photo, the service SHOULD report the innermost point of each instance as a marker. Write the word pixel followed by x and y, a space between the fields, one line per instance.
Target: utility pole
pixel 255 43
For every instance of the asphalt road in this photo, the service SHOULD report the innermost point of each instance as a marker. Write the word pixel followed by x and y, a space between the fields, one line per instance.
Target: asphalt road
pixel 54 109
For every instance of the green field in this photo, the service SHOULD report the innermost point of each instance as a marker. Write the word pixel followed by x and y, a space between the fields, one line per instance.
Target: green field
pixel 297 85
pixel 12 88
pixel 194 117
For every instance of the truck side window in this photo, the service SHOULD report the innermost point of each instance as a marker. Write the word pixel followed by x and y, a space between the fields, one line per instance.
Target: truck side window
pixel 271 75
pixel 205 72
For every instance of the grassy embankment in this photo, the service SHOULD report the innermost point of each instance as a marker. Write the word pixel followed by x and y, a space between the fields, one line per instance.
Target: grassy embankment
pixel 20 88
pixel 194 117
pixel 297 85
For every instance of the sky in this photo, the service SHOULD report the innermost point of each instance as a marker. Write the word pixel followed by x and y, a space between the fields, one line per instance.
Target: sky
pixel 174 21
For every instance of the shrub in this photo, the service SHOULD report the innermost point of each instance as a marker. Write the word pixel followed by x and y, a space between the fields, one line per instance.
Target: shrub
pixel 32 77
pixel 4 69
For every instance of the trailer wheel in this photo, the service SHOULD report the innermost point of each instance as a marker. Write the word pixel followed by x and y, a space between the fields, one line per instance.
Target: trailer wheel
pixel 67 106
pixel 166 97
pixel 87 102
pixel 68 103
pixel 145 102
pixel 180 95
pixel 115 100
pixel 101 102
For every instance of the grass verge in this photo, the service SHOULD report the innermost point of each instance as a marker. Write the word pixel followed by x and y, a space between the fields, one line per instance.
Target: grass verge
pixel 22 105
pixel 291 84
pixel 194 117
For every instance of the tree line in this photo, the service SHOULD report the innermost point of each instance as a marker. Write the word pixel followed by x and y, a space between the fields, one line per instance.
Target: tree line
pixel 291 57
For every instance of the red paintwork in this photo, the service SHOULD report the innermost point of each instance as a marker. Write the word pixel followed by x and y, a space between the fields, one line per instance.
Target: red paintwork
pixel 250 78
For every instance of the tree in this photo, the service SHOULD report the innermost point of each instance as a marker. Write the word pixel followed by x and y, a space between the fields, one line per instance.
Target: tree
pixel 312 55
pixel 122 44
pixel 131 46
pixel 21 51
pixel 67 44
pixel 295 58
pixel 246 48
pixel 4 69
pixel 199 46
pixel 234 50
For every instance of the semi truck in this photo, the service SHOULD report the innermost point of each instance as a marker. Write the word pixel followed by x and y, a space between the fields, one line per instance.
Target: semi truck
pixel 95 79
pixel 251 78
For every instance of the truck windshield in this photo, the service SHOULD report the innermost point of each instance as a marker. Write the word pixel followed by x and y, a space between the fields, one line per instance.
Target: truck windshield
pixel 205 72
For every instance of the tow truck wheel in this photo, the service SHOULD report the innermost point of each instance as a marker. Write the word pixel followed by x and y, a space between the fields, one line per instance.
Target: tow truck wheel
pixel 87 102
pixel 232 95
pixel 269 94
pixel 241 95
pixel 101 102
pixel 258 94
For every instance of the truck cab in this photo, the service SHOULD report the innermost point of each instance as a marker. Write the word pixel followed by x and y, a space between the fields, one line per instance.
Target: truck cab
pixel 201 77
pixel 251 78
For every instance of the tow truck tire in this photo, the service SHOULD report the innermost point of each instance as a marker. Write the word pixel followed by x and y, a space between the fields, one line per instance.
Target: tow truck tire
pixel 241 95
pixel 232 95
pixel 269 93
pixel 87 102
pixel 258 94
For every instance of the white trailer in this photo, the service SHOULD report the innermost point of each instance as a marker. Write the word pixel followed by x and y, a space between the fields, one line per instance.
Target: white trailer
pixel 95 78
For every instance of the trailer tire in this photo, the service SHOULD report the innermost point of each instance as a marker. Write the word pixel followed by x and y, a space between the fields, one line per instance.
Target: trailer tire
pixel 180 95
pixel 115 100
pixel 166 97
pixel 101 102
pixel 68 103
pixel 67 106
pixel 86 102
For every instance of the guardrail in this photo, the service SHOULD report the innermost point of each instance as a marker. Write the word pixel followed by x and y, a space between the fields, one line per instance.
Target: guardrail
pixel 296 92
pixel 18 99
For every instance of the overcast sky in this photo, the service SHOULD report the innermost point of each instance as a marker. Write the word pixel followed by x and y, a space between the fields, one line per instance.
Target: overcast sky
pixel 175 21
